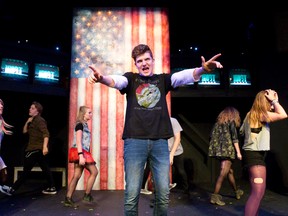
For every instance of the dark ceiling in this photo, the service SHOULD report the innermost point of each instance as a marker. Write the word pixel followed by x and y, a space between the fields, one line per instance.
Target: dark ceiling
pixel 232 29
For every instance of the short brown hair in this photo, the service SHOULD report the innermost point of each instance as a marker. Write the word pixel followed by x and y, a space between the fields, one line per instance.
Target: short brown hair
pixel 141 49
pixel 38 106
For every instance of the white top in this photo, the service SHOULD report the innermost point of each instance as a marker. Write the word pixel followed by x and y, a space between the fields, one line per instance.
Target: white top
pixel 176 128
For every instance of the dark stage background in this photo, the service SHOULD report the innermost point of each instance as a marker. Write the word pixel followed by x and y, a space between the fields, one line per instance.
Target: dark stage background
pixel 247 37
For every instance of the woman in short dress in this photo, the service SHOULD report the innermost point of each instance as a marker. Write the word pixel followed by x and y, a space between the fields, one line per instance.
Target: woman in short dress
pixel 80 155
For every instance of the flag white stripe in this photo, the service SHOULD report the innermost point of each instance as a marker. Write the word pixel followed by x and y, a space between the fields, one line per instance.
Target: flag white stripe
pixel 112 137
pixel 96 131
pixel 80 102
pixel 127 40
pixel 142 26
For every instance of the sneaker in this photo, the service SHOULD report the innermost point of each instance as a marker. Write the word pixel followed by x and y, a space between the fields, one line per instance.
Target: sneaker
pixel 87 198
pixel 51 190
pixel 145 191
pixel 7 190
pixel 70 203
pixel 171 186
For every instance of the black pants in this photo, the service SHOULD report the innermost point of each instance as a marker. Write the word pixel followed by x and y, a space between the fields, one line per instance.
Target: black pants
pixel 179 169
pixel 30 160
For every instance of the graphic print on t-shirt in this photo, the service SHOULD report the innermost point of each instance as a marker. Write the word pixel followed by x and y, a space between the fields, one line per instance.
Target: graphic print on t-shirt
pixel 147 95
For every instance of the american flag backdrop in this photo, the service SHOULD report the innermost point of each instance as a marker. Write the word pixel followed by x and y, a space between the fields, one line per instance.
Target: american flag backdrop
pixel 105 37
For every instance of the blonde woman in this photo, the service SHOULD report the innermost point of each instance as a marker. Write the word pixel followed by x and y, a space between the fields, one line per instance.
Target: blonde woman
pixel 80 155
pixel 255 128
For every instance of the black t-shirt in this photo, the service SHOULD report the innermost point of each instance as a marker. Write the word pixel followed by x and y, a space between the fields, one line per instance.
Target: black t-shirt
pixel 147 115
pixel 79 126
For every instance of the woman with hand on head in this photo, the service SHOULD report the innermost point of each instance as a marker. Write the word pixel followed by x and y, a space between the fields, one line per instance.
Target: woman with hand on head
pixel 255 128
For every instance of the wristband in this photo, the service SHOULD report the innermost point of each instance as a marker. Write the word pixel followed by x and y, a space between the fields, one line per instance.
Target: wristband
pixel 274 101
pixel 80 153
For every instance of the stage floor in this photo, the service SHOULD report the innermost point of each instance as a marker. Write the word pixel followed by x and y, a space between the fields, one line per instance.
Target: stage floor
pixel 28 200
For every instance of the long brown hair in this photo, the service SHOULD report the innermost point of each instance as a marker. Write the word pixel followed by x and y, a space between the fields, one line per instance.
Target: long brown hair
pixel 258 112
pixel 229 114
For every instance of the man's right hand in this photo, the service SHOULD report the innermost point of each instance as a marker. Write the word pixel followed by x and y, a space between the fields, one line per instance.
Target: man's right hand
pixel 95 76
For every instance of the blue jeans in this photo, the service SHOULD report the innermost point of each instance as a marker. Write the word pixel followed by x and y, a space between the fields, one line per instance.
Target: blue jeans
pixel 136 153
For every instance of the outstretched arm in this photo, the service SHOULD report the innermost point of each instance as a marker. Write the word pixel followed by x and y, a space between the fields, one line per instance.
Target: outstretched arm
pixel 207 66
pixel 96 76
pixel 115 81
pixel 193 75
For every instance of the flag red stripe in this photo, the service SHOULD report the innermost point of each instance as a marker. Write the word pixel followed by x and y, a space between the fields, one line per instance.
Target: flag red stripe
pixel 166 50
pixel 165 42
pixel 150 28
pixel 119 142
pixel 104 131
pixel 88 102
pixel 135 28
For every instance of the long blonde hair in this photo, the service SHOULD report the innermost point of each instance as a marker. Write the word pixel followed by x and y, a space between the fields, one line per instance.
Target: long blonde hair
pixel 229 114
pixel 259 110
